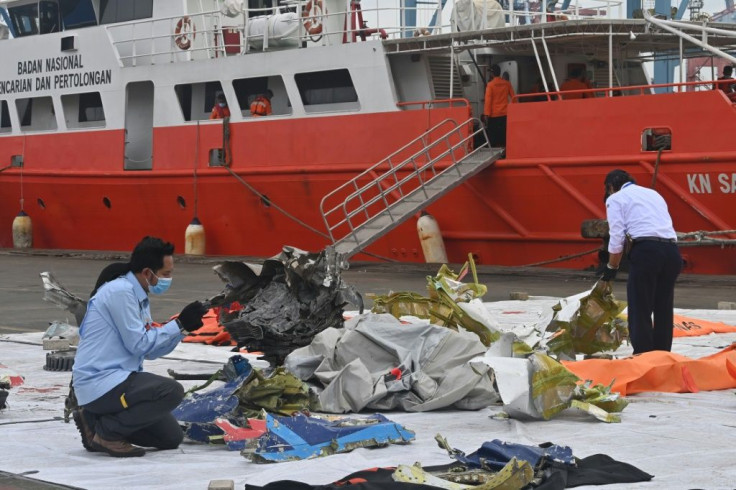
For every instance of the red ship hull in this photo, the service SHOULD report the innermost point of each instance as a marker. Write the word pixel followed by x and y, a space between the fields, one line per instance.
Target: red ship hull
pixel 525 209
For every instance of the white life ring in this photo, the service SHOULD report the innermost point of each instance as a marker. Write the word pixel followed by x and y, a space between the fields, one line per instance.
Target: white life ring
pixel 185 33
pixel 312 15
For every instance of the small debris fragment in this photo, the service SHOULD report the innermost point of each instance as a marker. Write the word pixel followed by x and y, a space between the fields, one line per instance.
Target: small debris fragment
pixel 221 485
pixel 519 295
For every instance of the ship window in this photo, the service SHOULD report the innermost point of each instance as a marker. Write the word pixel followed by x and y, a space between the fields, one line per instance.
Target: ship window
pixel 247 89
pixel 4 117
pixel 83 110
pixel 655 139
pixel 36 114
pixel 24 19
pixel 196 99
pixel 49 17
pixel 112 11
pixel 327 90
pixel 77 13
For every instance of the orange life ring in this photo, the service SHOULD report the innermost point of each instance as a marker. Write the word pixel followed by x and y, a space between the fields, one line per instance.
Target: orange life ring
pixel 312 15
pixel 185 33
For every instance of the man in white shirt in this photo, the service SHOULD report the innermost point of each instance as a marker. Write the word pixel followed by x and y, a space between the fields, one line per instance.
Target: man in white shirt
pixel 654 259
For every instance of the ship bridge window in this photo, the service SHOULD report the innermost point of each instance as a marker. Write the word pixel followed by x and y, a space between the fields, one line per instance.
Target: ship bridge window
pixel 331 90
pixel 49 17
pixel 197 99
pixel 247 89
pixel 83 110
pixel 655 139
pixel 112 11
pixel 24 19
pixel 77 13
pixel 4 117
pixel 36 114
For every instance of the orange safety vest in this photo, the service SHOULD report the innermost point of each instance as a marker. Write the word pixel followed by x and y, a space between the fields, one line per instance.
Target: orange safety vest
pixel 574 84
pixel 219 112
pixel 261 106
pixel 498 94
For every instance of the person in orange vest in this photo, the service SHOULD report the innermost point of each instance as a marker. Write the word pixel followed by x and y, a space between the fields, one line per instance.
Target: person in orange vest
pixel 726 82
pixel 220 109
pixel 261 105
pixel 575 82
pixel 498 94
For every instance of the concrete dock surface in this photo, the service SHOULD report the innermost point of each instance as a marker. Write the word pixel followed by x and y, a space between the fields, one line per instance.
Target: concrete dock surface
pixel 22 308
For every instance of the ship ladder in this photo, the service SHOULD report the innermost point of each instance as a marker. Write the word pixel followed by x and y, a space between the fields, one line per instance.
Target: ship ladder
pixel 378 200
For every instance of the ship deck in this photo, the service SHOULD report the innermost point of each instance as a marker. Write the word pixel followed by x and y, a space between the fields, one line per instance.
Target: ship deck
pixel 589 36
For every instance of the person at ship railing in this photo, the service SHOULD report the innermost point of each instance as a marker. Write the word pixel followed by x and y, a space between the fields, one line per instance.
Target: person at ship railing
pixel 261 105
pixel 654 259
pixel 119 404
pixel 498 95
pixel 220 110
pixel 576 81
pixel 726 81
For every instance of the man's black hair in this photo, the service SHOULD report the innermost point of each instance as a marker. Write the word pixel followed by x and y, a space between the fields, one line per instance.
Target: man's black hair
pixel 617 178
pixel 727 70
pixel 496 70
pixel 150 253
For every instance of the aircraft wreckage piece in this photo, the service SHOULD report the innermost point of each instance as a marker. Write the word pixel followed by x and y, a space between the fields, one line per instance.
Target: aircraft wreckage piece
pixel 445 304
pixel 540 388
pixel 56 293
pixel 296 295
pixel 302 437
pixel 587 323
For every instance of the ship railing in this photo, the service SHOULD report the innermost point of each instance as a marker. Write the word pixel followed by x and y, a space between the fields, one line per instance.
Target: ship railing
pixel 409 170
pixel 210 34
pixel 627 90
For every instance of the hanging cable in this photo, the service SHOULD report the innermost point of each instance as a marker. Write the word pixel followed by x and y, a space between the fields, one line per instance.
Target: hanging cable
pixel 292 217
pixel 196 154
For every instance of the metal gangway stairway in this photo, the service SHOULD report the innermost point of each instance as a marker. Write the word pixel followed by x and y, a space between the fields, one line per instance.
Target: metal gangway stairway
pixel 367 207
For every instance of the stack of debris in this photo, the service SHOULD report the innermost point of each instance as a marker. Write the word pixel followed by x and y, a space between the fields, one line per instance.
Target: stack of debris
pixel 296 295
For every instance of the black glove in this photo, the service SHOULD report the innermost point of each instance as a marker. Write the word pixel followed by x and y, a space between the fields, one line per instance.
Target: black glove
pixel 190 318
pixel 608 274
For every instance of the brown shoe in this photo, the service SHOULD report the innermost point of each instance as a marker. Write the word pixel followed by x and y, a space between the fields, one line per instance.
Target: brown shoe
pixel 116 449
pixel 84 429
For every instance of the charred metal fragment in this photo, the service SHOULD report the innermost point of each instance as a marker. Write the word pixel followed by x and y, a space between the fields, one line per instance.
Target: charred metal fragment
pixel 296 295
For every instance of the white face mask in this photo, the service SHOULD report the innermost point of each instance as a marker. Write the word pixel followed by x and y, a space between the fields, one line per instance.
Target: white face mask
pixel 221 104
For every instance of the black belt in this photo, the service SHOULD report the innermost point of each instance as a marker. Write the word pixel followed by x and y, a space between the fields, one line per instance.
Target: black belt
pixel 653 239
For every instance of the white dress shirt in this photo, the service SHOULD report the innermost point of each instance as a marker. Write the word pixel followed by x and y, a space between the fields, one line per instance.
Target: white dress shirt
pixel 638 212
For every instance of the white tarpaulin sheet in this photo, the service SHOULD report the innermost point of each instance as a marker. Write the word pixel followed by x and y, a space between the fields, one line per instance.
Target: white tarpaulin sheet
pixel 685 440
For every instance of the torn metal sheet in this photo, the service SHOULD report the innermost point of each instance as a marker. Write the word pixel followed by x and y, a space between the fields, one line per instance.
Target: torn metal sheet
pixel 55 292
pixel 62 330
pixel 302 437
pixel 445 304
pixel 296 295
pixel 495 455
pixel 514 475
pixel 587 323
pixel 540 388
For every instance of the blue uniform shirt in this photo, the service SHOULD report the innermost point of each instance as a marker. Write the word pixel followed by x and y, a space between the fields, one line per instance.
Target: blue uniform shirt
pixel 114 338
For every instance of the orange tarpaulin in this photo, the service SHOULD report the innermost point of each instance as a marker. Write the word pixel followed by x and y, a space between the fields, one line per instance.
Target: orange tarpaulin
pixel 691 327
pixel 661 371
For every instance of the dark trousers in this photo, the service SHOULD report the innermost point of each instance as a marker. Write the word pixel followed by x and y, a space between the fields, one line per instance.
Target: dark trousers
pixel 496 128
pixel 653 269
pixel 147 420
